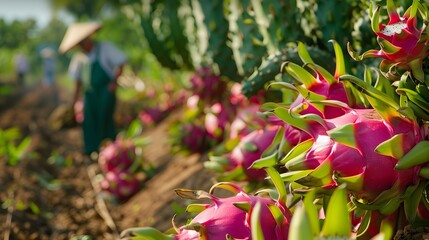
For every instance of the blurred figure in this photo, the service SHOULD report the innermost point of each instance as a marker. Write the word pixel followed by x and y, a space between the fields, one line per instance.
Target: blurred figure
pixel 96 73
pixel 22 67
pixel 48 60
pixel 49 64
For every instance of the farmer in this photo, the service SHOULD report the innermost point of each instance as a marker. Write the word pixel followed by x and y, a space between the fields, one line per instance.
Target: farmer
pixel 95 72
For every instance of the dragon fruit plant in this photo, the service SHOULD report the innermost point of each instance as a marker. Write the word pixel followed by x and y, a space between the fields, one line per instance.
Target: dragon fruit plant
pixel 404 46
pixel 241 216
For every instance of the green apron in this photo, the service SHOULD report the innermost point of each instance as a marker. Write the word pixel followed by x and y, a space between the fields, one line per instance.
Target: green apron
pixel 99 106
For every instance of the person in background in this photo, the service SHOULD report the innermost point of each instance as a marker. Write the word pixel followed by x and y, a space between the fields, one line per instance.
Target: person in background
pixel 22 67
pixel 48 60
pixel 49 64
pixel 96 73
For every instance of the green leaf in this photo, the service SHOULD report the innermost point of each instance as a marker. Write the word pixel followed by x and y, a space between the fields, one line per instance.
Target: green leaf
pixel 416 156
pixel 300 226
pixel 412 202
pixel 277 214
pixel 387 228
pixel 300 74
pixel 268 161
pixel 312 212
pixel 196 208
pixel 325 74
pixel 375 20
pixel 337 222
pixel 146 233
pixel 245 206
pixel 303 53
pixel 354 183
pixel 387 47
pixel 134 129
pixel 227 186
pixel 255 222
pixel 318 177
pixel 299 121
pixel 340 68
pixel 292 176
pixel 364 225
pixel 392 147
pixel 279 184
pixel 237 173
pixel 298 152
pixel 344 134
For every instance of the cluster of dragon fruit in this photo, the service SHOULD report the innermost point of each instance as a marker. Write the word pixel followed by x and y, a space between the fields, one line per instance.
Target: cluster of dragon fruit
pixel 346 158
pixel 118 162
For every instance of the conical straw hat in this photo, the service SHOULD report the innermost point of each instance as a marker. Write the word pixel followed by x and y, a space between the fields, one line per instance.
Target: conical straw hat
pixel 76 33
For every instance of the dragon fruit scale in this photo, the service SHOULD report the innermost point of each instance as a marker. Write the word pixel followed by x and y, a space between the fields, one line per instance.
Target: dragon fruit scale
pixel 403 45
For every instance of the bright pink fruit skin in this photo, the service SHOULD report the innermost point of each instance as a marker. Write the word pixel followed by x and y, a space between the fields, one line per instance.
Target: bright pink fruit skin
pixel 208 86
pixel 120 184
pixel 151 115
pixel 369 132
pixel 241 156
pixel 194 138
pixel 119 154
pixel 222 218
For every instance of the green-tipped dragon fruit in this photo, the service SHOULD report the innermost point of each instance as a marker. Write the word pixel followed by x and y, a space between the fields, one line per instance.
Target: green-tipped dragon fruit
pixel 403 44
pixel 353 147
pixel 241 216
pixel 236 164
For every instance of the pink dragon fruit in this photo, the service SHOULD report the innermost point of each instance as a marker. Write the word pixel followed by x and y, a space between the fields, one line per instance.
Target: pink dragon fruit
pixel 208 86
pixel 236 164
pixel 231 217
pixel 323 86
pixel 403 45
pixel 352 148
pixel 120 183
pixel 189 138
pixel 151 115
pixel 119 154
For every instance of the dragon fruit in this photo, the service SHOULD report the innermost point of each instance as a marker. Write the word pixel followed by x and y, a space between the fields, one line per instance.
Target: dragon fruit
pixel 323 86
pixel 151 115
pixel 120 183
pixel 403 45
pixel 236 164
pixel 119 154
pixel 189 138
pixel 352 149
pixel 231 216
pixel 207 85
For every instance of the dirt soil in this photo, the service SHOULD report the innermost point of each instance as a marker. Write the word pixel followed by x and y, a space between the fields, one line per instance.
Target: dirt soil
pixel 56 198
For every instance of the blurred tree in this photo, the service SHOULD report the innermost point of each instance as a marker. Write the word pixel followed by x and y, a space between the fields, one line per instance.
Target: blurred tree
pixel 17 33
